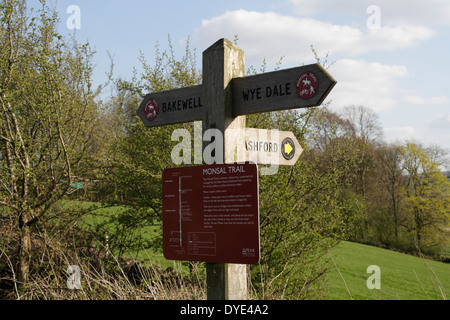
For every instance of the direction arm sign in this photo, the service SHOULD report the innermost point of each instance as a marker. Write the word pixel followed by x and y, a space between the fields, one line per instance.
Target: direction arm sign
pixel 300 87
pixel 171 106
pixel 267 147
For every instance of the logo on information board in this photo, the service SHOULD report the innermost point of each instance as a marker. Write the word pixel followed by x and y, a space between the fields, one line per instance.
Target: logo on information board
pixel 307 85
pixel 248 252
pixel 288 148
pixel 151 110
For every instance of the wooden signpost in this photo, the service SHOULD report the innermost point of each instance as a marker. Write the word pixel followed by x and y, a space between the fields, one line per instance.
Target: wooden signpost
pixel 222 102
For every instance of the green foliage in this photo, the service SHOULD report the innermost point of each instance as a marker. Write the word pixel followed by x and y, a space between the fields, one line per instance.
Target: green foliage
pixel 303 212
pixel 47 113
pixel 426 197
pixel 133 159
pixel 405 195
pixel 47 108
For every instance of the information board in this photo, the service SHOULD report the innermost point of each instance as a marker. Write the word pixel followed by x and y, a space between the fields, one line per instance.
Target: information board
pixel 211 213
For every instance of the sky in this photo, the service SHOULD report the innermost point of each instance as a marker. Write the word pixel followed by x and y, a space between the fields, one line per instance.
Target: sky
pixel 389 56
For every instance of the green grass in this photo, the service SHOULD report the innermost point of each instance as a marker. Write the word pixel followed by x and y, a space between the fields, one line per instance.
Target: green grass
pixel 402 277
pixel 102 215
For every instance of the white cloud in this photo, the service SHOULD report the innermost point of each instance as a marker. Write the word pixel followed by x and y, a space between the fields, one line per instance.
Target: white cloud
pixel 399 133
pixel 419 100
pixel 442 122
pixel 393 13
pixel 371 84
pixel 272 36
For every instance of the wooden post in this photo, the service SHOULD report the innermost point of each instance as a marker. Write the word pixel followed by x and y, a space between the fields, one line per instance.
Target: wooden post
pixel 222 62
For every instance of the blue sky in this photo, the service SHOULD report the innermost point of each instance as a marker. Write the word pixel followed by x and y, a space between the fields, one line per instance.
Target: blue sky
pixel 392 58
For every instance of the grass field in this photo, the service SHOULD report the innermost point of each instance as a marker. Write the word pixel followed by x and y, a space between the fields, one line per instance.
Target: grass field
pixel 402 277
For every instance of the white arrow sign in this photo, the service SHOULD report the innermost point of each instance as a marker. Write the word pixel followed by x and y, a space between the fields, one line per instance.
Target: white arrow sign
pixel 267 147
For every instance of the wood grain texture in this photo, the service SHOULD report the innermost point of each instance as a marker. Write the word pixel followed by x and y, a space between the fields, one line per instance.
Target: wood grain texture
pixel 221 63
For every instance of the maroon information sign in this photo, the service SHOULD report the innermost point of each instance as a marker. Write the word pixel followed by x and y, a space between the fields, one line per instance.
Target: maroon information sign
pixel 211 213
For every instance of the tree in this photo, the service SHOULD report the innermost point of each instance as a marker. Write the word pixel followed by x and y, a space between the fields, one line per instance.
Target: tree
pixel 426 196
pixel 46 116
pixel 367 134
pixel 391 180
